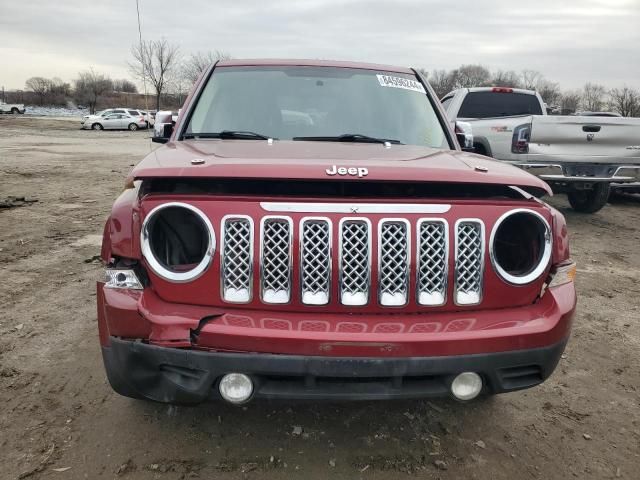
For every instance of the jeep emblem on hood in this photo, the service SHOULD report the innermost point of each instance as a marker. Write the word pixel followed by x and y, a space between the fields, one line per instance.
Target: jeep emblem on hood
pixel 353 171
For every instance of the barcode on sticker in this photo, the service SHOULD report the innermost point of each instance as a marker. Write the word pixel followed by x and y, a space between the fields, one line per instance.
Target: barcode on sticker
pixel 400 82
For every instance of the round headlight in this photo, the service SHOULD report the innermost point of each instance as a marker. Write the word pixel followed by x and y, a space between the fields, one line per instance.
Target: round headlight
pixel 520 246
pixel 177 241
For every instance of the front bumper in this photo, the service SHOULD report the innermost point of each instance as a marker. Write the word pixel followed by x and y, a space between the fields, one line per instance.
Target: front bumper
pixel 186 376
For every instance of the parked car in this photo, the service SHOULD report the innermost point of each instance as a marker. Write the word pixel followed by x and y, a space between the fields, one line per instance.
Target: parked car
pixel 121 110
pixel 360 256
pixel 148 117
pixel 577 155
pixel 116 121
pixel 11 108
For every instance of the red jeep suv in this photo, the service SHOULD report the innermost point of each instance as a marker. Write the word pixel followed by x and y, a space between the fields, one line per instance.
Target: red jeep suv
pixel 313 230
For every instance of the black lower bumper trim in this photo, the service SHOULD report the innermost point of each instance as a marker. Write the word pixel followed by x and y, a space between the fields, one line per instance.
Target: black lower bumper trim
pixel 184 376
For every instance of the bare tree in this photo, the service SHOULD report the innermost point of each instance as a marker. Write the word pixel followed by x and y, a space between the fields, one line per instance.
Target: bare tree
pixel 530 79
pixel 625 101
pixel 199 62
pixel 472 76
pixel 570 101
pixel 57 86
pixel 155 62
pixel 505 78
pixel 593 97
pixel 442 82
pixel 90 86
pixel 40 86
pixel 124 86
pixel 549 91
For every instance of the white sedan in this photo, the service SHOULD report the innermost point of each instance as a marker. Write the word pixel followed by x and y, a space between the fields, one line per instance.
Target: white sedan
pixel 115 121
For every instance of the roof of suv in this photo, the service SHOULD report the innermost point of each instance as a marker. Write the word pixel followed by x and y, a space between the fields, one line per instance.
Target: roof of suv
pixel 312 63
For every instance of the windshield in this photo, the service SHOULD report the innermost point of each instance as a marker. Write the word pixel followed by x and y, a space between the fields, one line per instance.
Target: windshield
pixel 300 103
pixel 499 104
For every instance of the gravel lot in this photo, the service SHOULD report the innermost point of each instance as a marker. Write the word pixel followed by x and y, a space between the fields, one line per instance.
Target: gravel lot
pixel 60 419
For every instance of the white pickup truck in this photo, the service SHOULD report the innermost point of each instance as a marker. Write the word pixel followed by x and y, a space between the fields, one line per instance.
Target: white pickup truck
pixel 577 155
pixel 11 107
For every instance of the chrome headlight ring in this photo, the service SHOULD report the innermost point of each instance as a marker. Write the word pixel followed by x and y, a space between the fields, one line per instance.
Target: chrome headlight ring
pixel 544 260
pixel 161 270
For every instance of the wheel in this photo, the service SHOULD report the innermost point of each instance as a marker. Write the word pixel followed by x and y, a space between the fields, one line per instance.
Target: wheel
pixel 14 110
pixel 590 201
pixel 479 149
pixel 96 126
pixel 133 127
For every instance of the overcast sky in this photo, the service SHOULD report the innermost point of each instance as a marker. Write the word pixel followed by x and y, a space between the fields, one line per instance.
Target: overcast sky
pixel 570 42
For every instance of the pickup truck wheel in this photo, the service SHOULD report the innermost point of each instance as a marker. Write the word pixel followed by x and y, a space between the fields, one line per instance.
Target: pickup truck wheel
pixel 133 127
pixel 590 201
pixel 479 149
pixel 14 110
pixel 96 126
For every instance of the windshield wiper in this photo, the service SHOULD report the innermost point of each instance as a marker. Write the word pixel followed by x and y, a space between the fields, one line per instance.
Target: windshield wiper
pixel 349 137
pixel 235 134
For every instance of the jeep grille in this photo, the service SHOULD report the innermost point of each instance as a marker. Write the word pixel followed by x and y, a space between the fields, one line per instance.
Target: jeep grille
pixel 316 283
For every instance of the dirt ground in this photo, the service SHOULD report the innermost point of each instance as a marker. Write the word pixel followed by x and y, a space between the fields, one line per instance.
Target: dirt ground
pixel 59 418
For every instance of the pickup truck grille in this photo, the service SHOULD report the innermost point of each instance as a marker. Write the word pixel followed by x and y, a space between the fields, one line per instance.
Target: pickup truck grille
pixel 316 282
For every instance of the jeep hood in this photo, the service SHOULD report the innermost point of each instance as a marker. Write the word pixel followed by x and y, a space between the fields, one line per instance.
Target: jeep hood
pixel 304 160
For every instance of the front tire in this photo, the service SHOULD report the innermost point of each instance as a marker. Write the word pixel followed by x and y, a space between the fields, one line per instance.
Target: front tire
pixel 15 111
pixel 97 126
pixel 133 127
pixel 590 201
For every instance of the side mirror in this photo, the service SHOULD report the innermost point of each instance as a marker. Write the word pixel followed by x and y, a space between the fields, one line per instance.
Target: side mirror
pixel 163 128
pixel 464 134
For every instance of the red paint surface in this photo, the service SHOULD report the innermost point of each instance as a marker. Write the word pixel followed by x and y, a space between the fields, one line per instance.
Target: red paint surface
pixel 546 322
pixel 309 160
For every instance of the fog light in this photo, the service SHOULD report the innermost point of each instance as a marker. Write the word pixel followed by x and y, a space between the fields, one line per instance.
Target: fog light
pixel 466 386
pixel 236 387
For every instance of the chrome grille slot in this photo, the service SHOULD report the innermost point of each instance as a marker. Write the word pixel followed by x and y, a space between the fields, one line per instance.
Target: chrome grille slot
pixel 432 262
pixel 237 259
pixel 469 261
pixel 393 257
pixel 355 261
pixel 276 259
pixel 315 258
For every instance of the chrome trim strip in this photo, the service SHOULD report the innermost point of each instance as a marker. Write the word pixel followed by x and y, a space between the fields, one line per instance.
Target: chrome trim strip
pixel 156 266
pixel 340 253
pixel 330 255
pixel 482 260
pixel 445 284
pixel 407 259
pixel 544 260
pixel 223 232
pixel 548 171
pixel 262 223
pixel 359 208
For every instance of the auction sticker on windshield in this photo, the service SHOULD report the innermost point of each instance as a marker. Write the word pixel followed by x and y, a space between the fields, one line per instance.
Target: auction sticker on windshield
pixel 400 82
